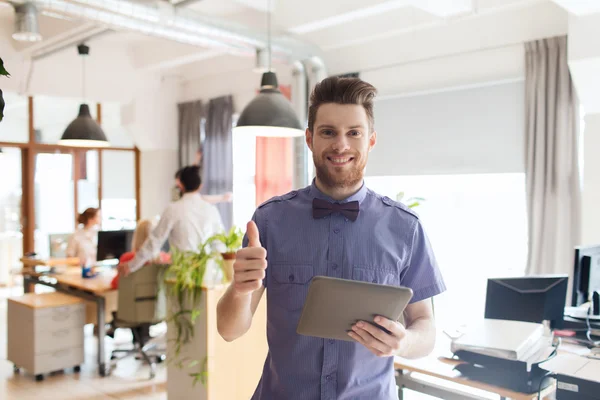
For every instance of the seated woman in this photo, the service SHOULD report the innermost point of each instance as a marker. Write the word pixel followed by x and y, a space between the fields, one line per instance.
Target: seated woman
pixel 83 244
pixel 142 231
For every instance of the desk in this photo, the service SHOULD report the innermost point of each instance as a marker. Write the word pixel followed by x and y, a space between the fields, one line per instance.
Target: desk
pixel 71 282
pixel 50 262
pixel 442 368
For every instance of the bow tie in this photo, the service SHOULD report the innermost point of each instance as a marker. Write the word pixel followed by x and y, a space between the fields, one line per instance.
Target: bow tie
pixel 322 208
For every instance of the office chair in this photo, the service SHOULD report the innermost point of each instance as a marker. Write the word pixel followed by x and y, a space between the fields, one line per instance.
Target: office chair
pixel 141 303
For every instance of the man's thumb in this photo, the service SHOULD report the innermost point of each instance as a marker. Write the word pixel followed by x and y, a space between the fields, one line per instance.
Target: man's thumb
pixel 252 233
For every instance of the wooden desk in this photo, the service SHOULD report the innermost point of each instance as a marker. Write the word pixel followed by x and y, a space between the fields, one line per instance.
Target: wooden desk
pixel 91 289
pixel 442 368
pixel 50 262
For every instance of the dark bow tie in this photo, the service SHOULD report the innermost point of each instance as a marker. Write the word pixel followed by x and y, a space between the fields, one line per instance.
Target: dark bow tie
pixel 322 208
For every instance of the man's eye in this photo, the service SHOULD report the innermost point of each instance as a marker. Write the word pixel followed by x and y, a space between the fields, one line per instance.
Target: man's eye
pixel 328 132
pixel 355 133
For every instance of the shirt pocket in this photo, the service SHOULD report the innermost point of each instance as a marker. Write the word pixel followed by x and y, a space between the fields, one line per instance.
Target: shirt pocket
pixel 290 285
pixel 381 276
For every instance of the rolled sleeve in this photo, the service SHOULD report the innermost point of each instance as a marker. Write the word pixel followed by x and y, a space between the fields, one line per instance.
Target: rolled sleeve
pixel 422 273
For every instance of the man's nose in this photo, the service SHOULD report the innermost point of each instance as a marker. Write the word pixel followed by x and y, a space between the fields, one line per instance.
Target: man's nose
pixel 341 144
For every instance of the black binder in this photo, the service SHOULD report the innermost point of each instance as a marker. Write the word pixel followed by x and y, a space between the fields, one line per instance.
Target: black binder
pixel 509 374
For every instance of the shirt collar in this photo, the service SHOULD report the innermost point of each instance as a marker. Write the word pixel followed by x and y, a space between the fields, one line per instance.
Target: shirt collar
pixel 358 196
pixel 189 195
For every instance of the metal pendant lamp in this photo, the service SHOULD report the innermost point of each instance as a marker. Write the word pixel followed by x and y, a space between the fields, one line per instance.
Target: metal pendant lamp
pixel 270 113
pixel 84 131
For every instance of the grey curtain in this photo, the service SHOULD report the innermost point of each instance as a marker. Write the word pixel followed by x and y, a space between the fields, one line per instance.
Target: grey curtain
pixel 190 115
pixel 552 165
pixel 217 155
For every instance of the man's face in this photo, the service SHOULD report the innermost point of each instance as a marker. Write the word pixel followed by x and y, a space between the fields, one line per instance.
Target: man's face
pixel 340 144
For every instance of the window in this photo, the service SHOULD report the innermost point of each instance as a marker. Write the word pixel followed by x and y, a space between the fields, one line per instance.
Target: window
pixel 477 225
pixel 244 171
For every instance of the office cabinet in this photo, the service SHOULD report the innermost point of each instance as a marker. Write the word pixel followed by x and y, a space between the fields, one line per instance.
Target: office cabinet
pixel 45 332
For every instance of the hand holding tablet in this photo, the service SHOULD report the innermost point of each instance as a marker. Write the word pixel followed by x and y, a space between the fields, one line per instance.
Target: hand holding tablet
pixel 355 311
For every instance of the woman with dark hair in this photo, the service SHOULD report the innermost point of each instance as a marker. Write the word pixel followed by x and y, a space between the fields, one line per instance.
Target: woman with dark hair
pixel 83 244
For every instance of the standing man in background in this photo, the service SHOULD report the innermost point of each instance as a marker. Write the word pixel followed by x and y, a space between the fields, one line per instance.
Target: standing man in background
pixel 186 223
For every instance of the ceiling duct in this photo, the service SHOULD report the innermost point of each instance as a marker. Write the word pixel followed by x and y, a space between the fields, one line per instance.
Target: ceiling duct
pixel 181 25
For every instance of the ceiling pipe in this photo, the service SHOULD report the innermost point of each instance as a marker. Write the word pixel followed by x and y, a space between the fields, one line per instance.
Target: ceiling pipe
pixel 300 104
pixel 182 25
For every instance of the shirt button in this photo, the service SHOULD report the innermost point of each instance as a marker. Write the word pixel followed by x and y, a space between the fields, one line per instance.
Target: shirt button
pixel 336 231
pixel 334 266
pixel 331 341
pixel 291 277
pixel 328 377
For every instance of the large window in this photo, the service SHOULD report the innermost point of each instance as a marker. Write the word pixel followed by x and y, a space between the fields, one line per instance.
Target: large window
pixel 477 225
pixel 55 182
pixel 244 171
pixel 11 238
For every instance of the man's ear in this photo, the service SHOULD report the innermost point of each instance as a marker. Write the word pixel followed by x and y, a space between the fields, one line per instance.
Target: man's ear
pixel 308 135
pixel 372 140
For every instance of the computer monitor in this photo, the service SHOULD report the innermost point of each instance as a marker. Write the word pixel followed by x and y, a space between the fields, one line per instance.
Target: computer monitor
pixel 112 244
pixel 530 299
pixel 586 274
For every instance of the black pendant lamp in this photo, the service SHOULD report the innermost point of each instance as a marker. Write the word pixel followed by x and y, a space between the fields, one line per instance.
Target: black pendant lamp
pixel 270 113
pixel 84 131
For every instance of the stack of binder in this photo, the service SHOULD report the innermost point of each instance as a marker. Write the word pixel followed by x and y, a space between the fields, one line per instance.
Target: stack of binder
pixel 504 353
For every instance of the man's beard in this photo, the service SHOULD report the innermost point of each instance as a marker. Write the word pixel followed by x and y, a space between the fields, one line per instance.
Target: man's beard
pixel 351 176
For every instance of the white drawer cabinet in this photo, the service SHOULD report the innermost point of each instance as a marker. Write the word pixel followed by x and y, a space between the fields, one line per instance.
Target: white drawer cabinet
pixel 45 332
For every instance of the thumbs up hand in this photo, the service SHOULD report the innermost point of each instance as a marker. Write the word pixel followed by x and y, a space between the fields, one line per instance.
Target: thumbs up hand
pixel 250 263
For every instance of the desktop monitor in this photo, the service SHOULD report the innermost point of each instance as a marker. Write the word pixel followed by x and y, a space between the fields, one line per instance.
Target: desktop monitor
pixel 586 274
pixel 112 244
pixel 529 299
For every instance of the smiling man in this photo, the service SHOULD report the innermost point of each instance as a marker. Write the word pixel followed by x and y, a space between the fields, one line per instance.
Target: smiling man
pixel 335 227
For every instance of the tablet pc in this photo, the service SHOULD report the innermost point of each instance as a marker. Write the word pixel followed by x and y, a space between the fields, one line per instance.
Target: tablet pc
pixel 333 305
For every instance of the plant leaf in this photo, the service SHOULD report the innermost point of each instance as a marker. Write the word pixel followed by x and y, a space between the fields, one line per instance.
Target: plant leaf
pixel 3 70
pixel 1 106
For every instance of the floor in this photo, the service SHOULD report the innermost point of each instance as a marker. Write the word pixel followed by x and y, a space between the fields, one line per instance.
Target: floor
pixel 129 380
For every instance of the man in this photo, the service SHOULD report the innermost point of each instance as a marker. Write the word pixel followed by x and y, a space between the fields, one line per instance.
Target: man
pixel 186 223
pixel 371 238
pixel 211 198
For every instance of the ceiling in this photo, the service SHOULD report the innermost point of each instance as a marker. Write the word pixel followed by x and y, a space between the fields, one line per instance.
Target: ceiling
pixel 327 25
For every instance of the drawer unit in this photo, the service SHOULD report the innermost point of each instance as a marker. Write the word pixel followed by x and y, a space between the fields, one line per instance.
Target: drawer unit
pixel 45 332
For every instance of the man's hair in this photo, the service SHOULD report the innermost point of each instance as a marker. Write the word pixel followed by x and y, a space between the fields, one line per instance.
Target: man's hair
pixel 178 173
pixel 190 178
pixel 342 91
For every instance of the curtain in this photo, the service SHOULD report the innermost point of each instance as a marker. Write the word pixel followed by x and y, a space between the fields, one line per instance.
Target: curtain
pixel 274 159
pixel 190 115
pixel 552 167
pixel 217 158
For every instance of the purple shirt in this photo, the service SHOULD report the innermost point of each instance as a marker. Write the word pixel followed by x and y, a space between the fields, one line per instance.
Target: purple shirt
pixel 386 244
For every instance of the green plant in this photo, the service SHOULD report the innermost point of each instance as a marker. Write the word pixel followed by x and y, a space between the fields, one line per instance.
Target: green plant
pixel 232 240
pixel 411 202
pixel 184 280
pixel 3 72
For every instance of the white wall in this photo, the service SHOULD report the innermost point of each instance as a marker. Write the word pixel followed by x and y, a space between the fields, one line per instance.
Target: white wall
pixel 243 84
pixel 158 169
pixel 591 181
pixel 469 130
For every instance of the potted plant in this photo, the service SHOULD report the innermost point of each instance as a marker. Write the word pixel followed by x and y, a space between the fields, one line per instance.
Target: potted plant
pixel 184 281
pixel 411 202
pixel 3 72
pixel 232 241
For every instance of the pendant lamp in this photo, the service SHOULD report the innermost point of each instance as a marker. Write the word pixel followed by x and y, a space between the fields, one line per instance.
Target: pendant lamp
pixel 270 113
pixel 84 131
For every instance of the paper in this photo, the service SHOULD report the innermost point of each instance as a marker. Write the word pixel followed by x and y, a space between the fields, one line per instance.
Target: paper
pixel 575 366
